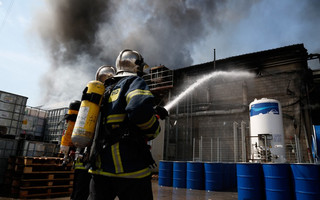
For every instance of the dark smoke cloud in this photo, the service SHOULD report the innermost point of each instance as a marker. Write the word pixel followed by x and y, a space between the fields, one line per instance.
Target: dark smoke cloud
pixel 69 29
pixel 82 35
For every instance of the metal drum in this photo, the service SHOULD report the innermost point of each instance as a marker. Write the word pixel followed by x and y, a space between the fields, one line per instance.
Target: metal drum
pixel 278 184
pixel 213 176
pixel 230 176
pixel 306 181
pixel 250 181
pixel 195 175
pixel 179 174
pixel 165 173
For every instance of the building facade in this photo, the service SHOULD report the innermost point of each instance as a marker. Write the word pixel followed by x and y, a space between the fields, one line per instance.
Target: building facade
pixel 212 121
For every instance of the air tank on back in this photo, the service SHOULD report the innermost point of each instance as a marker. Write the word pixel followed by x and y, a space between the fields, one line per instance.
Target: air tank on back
pixel 266 131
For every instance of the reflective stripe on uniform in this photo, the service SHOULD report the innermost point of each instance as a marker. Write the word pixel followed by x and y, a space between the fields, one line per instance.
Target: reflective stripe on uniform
pixel 116 118
pixel 154 135
pixel 137 174
pixel 137 92
pixel 147 124
pixel 98 162
pixel 116 158
pixel 79 167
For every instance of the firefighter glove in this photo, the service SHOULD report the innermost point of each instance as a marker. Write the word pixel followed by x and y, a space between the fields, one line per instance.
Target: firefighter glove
pixel 161 112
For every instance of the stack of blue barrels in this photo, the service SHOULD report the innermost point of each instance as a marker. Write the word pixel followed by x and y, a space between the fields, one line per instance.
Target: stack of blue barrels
pixel 198 175
pixel 251 180
pixel 278 181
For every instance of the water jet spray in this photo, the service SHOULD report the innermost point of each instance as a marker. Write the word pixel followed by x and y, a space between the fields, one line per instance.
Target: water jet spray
pixel 215 74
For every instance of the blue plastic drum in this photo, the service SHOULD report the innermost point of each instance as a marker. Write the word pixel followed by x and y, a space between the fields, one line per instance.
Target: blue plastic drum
pixel 165 173
pixel 195 175
pixel 306 181
pixel 179 174
pixel 250 181
pixel 230 176
pixel 213 176
pixel 278 181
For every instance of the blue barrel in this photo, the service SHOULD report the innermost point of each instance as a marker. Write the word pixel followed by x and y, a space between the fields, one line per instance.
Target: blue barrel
pixel 317 138
pixel 306 181
pixel 230 176
pixel 213 176
pixel 179 174
pixel 195 175
pixel 165 173
pixel 278 181
pixel 250 181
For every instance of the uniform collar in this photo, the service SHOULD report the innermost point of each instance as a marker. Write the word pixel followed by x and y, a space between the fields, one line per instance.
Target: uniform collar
pixel 123 73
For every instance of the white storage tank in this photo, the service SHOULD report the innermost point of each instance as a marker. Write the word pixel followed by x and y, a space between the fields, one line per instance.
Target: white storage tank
pixel 266 131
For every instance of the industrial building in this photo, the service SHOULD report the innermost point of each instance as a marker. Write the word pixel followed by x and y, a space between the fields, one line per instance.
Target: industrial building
pixel 210 122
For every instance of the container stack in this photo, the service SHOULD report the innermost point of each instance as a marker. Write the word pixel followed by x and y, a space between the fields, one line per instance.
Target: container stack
pixel 38 177
pixel 12 108
pixel 278 181
pixel 207 176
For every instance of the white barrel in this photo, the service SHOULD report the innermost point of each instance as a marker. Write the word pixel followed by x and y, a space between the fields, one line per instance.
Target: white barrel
pixel 266 119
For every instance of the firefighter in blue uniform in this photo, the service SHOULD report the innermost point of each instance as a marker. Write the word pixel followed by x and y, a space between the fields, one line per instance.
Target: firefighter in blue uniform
pixel 81 176
pixel 128 121
pixel 80 190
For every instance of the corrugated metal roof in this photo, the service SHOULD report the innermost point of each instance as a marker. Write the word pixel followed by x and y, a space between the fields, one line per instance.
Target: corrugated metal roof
pixel 292 52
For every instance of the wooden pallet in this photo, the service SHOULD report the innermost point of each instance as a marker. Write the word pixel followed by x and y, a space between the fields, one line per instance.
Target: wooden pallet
pixel 39 168
pixel 44 182
pixel 38 160
pixel 43 191
pixel 40 177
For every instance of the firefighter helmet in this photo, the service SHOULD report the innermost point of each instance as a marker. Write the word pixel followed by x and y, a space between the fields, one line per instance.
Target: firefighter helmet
pixel 130 61
pixel 104 72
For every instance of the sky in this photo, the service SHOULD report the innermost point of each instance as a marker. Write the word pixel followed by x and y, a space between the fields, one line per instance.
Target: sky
pixel 22 61
pixel 49 50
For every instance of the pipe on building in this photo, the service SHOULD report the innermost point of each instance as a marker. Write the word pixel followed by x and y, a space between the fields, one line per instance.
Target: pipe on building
pixel 235 141
pixel 243 143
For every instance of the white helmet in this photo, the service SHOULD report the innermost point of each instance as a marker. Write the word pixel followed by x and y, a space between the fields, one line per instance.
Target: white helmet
pixel 105 72
pixel 130 61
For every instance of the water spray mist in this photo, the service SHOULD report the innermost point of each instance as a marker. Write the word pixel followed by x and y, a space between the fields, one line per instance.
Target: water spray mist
pixel 225 74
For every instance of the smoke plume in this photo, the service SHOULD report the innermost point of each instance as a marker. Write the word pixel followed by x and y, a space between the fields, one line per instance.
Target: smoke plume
pixel 81 35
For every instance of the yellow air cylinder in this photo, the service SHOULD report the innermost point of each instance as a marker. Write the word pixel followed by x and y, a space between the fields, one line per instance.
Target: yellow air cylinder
pixel 69 125
pixel 84 128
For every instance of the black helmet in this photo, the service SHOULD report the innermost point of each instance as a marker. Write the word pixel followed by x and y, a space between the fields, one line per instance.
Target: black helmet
pixel 130 61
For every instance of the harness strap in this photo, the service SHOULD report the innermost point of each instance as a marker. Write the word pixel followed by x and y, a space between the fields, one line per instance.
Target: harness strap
pixel 92 97
pixel 71 117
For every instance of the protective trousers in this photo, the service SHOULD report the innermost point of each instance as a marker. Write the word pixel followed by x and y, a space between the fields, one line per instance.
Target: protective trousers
pixel 80 185
pixel 108 188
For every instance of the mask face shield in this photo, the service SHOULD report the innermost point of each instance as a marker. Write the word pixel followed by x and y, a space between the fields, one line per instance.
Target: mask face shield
pixel 145 66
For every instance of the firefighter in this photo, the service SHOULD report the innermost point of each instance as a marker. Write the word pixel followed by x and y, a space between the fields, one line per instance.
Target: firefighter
pixel 128 122
pixel 80 189
pixel 105 72
pixel 81 176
